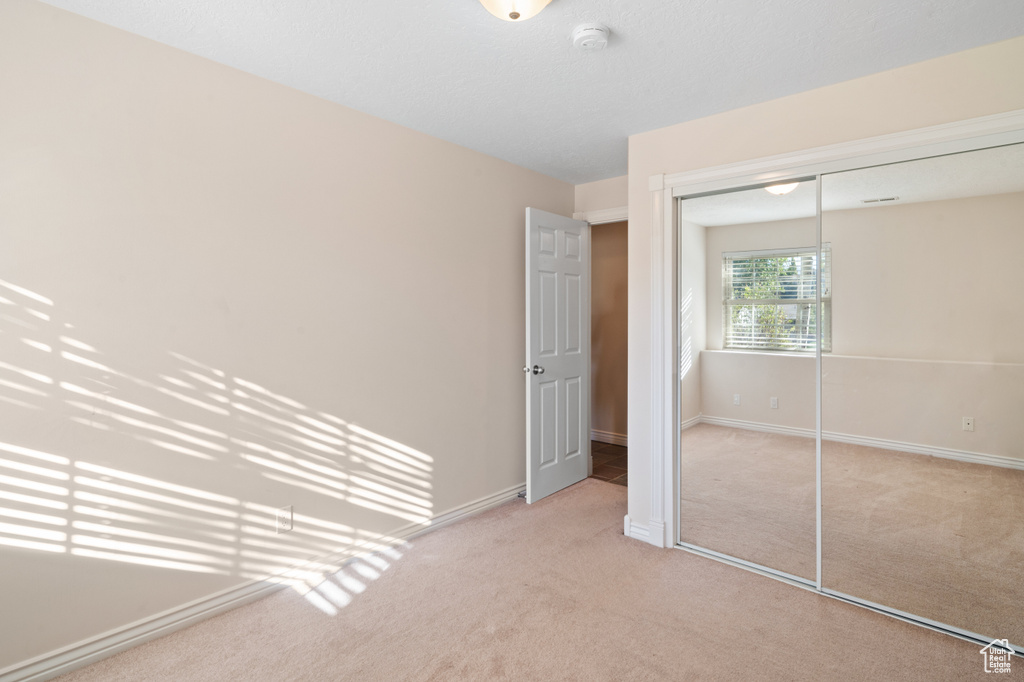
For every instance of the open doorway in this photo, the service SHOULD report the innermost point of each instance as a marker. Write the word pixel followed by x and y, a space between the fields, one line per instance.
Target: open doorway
pixel 608 339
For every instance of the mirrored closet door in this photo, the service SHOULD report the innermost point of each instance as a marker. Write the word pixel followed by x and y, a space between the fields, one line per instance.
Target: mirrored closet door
pixel 923 390
pixel 747 367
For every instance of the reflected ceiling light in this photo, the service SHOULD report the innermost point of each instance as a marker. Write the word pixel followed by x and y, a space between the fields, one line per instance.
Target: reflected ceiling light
pixel 779 190
pixel 514 10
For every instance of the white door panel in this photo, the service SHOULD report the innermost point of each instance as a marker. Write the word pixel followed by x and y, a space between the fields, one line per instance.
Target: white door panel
pixel 557 352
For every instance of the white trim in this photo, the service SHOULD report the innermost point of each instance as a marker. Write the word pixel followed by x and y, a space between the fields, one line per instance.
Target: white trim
pixel 660 321
pixel 819 346
pixel 938 626
pixel 672 352
pixel 632 530
pixel 1005 128
pixel 782 576
pixel 94 649
pixel 454 514
pixel 965 635
pixel 880 443
pixel 768 253
pixel 603 215
pixel 758 426
pixel 664 369
pixel 88 651
pixel 690 423
pixel 931 450
pixel 655 531
pixel 609 437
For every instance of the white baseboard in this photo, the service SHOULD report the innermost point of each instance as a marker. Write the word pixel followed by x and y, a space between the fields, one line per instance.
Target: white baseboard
pixel 94 649
pixel 89 651
pixel 632 530
pixel 463 511
pixel 881 443
pixel 944 453
pixel 690 423
pixel 656 533
pixel 609 437
pixel 757 426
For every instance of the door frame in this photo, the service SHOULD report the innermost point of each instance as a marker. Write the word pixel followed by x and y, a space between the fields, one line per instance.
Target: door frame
pixel 604 215
pixel 601 216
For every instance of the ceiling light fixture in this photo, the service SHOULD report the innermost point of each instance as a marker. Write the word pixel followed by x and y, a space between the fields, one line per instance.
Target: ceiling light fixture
pixel 779 190
pixel 514 10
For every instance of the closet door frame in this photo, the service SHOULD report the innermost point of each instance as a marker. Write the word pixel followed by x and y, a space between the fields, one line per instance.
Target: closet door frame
pixel 665 194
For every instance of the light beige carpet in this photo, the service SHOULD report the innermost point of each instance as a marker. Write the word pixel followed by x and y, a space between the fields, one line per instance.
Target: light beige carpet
pixel 751 495
pixel 933 537
pixel 552 591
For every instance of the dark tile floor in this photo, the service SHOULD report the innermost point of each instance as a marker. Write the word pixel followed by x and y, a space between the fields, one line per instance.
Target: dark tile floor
pixel 609 462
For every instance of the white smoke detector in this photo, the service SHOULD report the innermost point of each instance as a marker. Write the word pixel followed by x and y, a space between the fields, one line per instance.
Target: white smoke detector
pixel 590 37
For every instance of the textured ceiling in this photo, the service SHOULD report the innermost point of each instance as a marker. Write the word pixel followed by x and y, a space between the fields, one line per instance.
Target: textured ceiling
pixel 520 92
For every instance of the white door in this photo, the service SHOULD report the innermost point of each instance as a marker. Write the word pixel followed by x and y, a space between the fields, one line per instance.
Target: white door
pixel 557 352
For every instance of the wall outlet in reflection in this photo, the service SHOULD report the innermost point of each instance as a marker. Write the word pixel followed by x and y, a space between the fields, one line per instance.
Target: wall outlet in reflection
pixel 736 399
pixel 774 402
pixel 283 519
pixel 968 423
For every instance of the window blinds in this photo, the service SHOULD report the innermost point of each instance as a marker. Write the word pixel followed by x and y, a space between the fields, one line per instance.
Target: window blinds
pixel 769 299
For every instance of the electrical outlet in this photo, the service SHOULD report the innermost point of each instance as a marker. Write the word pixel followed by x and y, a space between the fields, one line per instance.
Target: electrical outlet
pixel 968 423
pixel 774 402
pixel 283 519
pixel 736 399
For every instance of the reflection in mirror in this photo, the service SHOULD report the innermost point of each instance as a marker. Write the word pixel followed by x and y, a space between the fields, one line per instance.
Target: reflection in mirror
pixel 747 368
pixel 923 392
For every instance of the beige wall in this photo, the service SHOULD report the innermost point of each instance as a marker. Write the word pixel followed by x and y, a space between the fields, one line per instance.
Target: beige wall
pixel 924 402
pixel 756 378
pixel 235 297
pixel 927 281
pixel 693 316
pixel 919 342
pixel 608 318
pixel 602 194
pixel 979 82
pixel 921 334
pixel 907 404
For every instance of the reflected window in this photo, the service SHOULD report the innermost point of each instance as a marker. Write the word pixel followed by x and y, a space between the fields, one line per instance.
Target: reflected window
pixel 769 300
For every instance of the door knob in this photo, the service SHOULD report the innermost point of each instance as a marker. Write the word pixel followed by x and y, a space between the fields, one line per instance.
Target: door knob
pixel 526 370
pixel 537 369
